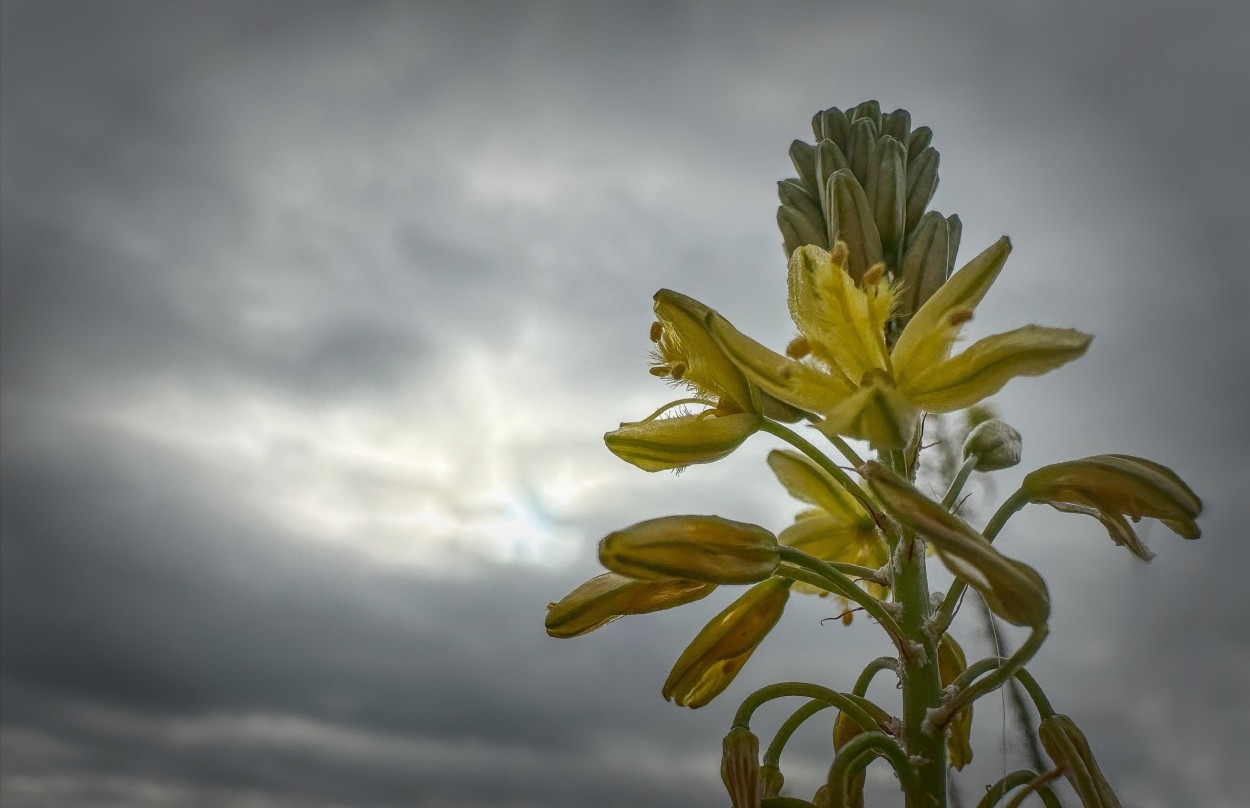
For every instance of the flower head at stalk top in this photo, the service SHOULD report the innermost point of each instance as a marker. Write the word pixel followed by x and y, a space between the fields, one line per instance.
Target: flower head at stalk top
pixel 840 366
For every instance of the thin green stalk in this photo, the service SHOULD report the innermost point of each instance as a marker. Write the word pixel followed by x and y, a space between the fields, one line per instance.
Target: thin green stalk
pixel 1036 785
pixel 866 745
pixel 1000 670
pixel 772 756
pixel 876 666
pixel 1022 777
pixel 950 603
pixel 1030 685
pixel 840 584
pixel 842 701
pixel 957 484
pixel 818 457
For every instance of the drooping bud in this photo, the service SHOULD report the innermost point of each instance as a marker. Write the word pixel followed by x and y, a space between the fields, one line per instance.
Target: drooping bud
pixel 951 663
pixel 771 780
pixel 1113 487
pixel 995 444
pixel 715 656
pixel 740 767
pixel 1067 747
pixel 692 548
pixel 673 443
pixel 1012 589
pixel 606 597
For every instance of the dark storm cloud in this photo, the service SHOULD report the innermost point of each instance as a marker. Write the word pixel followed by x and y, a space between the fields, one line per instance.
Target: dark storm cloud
pixel 315 203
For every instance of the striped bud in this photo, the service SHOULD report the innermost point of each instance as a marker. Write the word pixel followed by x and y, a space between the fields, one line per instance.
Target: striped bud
pixel 606 597
pixel 692 548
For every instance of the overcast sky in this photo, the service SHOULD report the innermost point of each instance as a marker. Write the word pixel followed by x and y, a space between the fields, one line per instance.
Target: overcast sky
pixel 314 315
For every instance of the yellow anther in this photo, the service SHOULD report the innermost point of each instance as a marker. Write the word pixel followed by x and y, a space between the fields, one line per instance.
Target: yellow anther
pixel 873 275
pixel 656 331
pixel 659 370
pixel 839 255
pixel 677 371
pixel 798 348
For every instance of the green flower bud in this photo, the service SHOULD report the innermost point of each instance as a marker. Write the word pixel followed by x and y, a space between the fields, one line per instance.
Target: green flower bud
pixel 692 548
pixel 1012 589
pixel 715 656
pixel 1067 747
pixel 996 445
pixel 606 597
pixel 1113 487
pixel 740 767
pixel 845 729
pixel 673 443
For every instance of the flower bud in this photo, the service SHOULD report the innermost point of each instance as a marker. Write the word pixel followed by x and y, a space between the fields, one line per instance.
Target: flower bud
pixel 1067 747
pixel 951 663
pixel 1012 589
pixel 771 780
pixel 740 767
pixel 673 443
pixel 692 548
pixel 845 729
pixel 606 597
pixel 715 656
pixel 995 444
pixel 1113 487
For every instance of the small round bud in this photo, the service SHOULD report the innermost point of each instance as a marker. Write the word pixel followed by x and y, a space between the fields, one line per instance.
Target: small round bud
pixel 996 444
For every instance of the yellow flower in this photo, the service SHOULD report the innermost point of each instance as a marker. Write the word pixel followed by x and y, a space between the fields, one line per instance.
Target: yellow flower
pixel 863 389
pixel 692 548
pixel 836 529
pixel 686 354
pixel 606 597
pixel 1112 487
pixel 1012 589
pixel 715 656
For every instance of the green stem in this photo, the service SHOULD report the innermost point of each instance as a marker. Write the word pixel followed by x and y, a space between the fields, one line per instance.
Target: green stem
pixel 1000 670
pixel 1022 777
pixel 818 457
pixel 950 603
pixel 858 752
pixel 876 666
pixel 842 701
pixel 957 484
pixel 1036 785
pixel 772 756
pixel 840 584
pixel 1044 710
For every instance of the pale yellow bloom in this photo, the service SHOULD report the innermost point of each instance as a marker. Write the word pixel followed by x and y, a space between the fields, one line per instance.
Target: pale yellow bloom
pixel 686 354
pixel 840 366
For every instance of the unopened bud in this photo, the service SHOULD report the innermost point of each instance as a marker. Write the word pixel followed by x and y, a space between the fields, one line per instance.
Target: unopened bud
pixel 606 597
pixel 996 445
pixel 674 443
pixel 740 767
pixel 771 780
pixel 692 548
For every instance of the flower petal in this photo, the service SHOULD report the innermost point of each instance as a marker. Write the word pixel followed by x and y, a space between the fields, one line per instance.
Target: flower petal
pixel 781 377
pixel 707 368
pixel 719 651
pixel 806 482
pixel 606 597
pixel 930 333
pixel 674 443
pixel 842 322
pixel 876 413
pixel 988 364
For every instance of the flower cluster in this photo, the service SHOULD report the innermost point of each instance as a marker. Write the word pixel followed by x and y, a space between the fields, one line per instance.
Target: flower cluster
pixel 878 310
